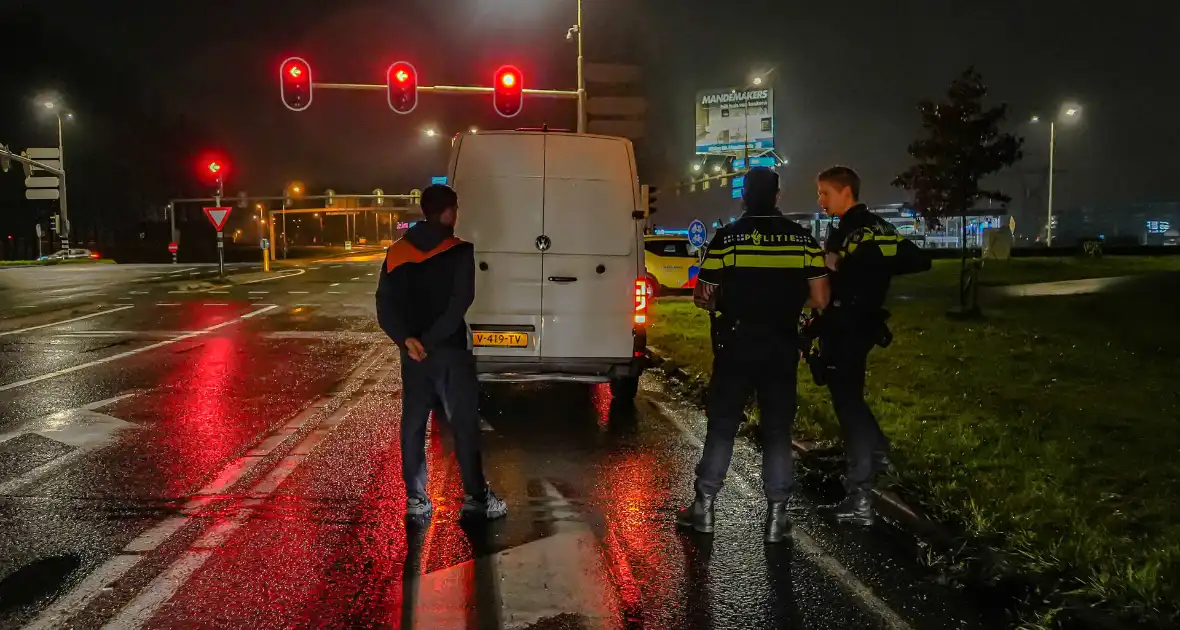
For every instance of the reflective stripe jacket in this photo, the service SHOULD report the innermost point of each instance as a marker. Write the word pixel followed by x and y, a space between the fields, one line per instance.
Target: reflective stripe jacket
pixel 865 245
pixel 761 265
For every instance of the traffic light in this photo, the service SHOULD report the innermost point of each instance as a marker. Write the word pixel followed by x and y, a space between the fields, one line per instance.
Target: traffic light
pixel 5 161
pixel 295 84
pixel 508 91
pixel 55 223
pixel 651 193
pixel 402 81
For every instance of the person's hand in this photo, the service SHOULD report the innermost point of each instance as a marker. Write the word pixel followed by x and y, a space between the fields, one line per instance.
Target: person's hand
pixel 415 349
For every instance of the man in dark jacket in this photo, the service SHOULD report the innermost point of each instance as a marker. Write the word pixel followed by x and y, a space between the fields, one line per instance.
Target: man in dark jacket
pixel 427 284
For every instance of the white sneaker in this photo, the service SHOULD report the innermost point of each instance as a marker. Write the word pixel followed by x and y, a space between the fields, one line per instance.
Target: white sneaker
pixel 419 507
pixel 489 506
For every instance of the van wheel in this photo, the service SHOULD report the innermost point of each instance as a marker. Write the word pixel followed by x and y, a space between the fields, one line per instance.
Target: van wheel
pixel 653 287
pixel 624 389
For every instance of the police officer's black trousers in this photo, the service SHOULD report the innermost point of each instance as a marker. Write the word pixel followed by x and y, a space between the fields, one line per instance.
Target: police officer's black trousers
pixel 447 376
pixel 736 375
pixel 845 353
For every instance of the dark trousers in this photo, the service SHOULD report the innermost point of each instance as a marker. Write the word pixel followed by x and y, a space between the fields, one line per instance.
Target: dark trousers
pixel 845 353
pixel 447 376
pixel 738 371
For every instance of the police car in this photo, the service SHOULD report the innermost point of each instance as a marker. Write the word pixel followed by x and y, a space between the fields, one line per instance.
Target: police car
pixel 672 262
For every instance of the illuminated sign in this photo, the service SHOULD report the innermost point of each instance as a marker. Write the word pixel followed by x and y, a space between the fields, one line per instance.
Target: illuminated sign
pixel 402 225
pixel 1158 227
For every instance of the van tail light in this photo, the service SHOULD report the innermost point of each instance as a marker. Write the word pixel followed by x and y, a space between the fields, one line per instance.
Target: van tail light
pixel 641 301
pixel 94 256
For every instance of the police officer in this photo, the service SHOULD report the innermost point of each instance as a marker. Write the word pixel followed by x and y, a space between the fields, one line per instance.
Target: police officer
pixel 757 275
pixel 864 251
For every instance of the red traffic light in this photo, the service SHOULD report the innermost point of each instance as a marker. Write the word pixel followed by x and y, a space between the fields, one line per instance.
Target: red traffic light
pixel 402 83
pixel 295 84
pixel 212 167
pixel 508 91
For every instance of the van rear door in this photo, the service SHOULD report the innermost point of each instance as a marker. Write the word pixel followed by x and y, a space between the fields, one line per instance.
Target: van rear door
pixel 591 264
pixel 500 182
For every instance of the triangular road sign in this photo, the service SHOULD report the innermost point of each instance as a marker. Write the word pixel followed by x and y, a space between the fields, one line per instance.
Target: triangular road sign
pixel 218 216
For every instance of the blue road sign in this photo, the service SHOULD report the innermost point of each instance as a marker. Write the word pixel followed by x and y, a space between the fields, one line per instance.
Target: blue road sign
pixel 737 193
pixel 739 181
pixel 696 233
pixel 439 180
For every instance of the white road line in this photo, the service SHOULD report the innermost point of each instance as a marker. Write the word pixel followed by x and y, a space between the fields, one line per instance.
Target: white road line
pixel 218 292
pixel 257 297
pixel 178 292
pixel 155 278
pixel 259 292
pixel 122 355
pixel 172 273
pixel 65 321
pixel 334 293
pixel 805 543
pixel 116 567
pixel 138 293
pixel 124 299
pixel 27 306
pixel 297 272
pixel 335 266
pixel 368 274
pixel 215 304
pixel 312 268
pixel 334 284
pixel 297 292
pixel 357 278
pixel 167 303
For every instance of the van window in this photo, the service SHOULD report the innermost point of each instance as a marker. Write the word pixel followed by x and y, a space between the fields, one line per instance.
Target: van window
pixel 590 193
pixel 671 249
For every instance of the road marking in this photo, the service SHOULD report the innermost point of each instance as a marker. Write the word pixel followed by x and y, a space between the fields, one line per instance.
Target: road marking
pixel 122 355
pixel 156 278
pixel 27 306
pixel 312 268
pixel 335 293
pixel 65 321
pixel 297 292
pixel 167 303
pixel 297 272
pixel 116 567
pixel 138 292
pixel 178 292
pixel 259 292
pixel 808 545
pixel 368 274
pixel 219 292
pixel 124 299
pixel 257 297
pixel 82 428
pixel 215 304
pixel 172 273
pixel 335 266
pixel 357 278
pixel 334 284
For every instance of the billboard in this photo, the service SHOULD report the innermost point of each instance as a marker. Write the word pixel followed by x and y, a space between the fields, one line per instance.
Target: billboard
pixel 730 121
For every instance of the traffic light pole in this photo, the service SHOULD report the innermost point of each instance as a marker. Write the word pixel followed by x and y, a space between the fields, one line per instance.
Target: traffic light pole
pixel 61 157
pixel 220 234
pixel 581 76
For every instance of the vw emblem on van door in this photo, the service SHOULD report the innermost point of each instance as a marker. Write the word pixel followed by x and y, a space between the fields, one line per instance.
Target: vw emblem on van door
pixel 543 243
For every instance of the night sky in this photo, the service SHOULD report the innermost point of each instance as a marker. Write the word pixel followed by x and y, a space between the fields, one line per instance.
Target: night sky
pixel 164 80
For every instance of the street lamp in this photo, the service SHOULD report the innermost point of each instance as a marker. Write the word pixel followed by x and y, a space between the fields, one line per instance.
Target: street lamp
pixel 755 81
pixel 696 168
pixel 1069 113
pixel 50 103
pixel 474 130
pixel 430 132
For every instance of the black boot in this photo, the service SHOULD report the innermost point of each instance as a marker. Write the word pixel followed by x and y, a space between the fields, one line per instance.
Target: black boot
pixel 856 509
pixel 778 526
pixel 698 515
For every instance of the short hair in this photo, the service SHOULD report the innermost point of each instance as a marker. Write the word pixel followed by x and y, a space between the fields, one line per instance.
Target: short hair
pixel 437 199
pixel 761 189
pixel 842 177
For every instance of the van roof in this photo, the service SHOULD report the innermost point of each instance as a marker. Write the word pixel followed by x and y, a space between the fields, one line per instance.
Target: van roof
pixel 539 132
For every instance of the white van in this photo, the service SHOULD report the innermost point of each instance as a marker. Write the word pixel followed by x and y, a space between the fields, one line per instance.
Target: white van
pixel 561 292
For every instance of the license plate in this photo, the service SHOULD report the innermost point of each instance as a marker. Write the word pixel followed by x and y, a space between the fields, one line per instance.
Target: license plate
pixel 500 339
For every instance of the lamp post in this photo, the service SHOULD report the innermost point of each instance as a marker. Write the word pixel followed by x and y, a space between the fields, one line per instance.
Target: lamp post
pixel 1068 113
pixel 55 107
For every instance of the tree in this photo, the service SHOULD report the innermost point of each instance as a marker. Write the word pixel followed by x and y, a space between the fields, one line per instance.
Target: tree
pixel 962 145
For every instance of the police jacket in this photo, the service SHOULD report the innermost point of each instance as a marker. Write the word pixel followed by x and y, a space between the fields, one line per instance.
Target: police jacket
pixel 864 245
pixel 760 267
pixel 427 284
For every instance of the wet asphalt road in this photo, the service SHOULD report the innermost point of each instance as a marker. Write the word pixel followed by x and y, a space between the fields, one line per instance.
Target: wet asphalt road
pixel 230 458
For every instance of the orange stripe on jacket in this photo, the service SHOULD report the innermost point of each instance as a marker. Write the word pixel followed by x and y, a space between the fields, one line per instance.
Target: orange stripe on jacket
pixel 403 252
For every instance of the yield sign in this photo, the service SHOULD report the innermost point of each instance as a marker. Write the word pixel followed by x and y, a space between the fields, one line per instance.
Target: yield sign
pixel 218 216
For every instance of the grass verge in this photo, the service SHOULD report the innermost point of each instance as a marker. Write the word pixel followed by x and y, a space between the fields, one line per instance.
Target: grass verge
pixel 1046 430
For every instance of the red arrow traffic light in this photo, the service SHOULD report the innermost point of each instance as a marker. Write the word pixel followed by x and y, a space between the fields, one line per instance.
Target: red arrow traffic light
pixel 508 91
pixel 402 83
pixel 295 84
